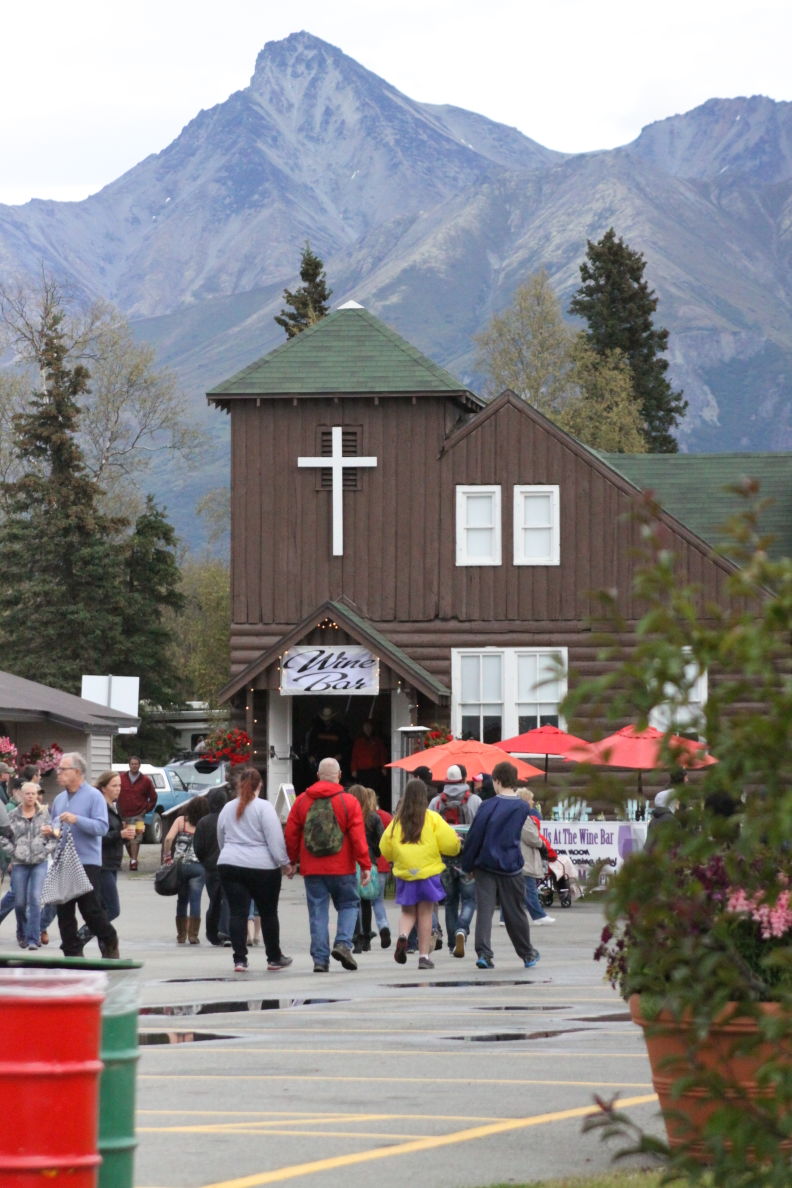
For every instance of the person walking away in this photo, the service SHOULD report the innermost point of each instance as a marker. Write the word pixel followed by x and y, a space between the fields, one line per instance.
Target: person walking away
pixel 492 853
pixel 29 857
pixel 138 796
pixel 383 870
pixel 326 837
pixel 664 825
pixel 251 864
pixel 83 808
pixel 207 851
pixel 178 846
pixel 457 805
pixel 109 784
pixel 416 842
pixel 534 861
pixel 367 799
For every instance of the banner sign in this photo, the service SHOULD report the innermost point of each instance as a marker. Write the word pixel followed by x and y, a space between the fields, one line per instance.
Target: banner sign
pixel 343 669
pixel 587 842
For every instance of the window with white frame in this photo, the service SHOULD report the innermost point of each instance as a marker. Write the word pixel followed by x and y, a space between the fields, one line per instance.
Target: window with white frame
pixel 500 692
pixel 683 712
pixel 478 525
pixel 536 525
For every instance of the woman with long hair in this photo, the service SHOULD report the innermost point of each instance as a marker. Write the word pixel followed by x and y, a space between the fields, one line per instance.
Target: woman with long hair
pixel 178 846
pixel 252 861
pixel 367 799
pixel 415 842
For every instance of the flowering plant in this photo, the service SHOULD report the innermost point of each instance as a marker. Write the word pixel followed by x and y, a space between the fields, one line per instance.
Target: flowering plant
pixel 437 736
pixel 8 751
pixel 232 746
pixel 45 758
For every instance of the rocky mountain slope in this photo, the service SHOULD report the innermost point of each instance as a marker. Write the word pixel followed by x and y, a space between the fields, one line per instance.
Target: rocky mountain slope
pixel 430 216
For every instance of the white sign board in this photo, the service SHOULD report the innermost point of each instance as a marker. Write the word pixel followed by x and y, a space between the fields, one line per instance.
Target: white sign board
pixel 319 670
pixel 284 800
pixel 119 692
pixel 587 842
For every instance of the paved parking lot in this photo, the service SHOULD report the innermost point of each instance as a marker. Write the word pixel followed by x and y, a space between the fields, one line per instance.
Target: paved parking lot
pixel 457 1077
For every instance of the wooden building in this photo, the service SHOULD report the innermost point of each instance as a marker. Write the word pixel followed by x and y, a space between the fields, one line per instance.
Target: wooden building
pixel 404 551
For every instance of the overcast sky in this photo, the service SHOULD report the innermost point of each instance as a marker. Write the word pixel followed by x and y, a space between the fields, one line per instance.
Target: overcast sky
pixel 89 88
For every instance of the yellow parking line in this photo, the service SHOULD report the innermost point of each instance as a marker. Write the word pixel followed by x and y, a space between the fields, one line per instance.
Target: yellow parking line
pixel 415 1145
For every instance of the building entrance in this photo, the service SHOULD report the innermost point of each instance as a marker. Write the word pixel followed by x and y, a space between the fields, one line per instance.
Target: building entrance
pixel 323 726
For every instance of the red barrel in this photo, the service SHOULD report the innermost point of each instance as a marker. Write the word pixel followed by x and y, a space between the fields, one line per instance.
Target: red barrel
pixel 50 1028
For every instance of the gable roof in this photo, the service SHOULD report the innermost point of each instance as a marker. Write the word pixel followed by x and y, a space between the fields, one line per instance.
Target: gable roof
pixel 695 489
pixel 22 700
pixel 349 352
pixel 362 631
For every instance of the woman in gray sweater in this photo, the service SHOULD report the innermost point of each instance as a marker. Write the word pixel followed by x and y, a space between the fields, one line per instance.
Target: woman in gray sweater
pixel 31 849
pixel 252 861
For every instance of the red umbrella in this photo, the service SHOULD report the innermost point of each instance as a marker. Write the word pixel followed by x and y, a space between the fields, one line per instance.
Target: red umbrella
pixel 476 756
pixel 641 750
pixel 544 740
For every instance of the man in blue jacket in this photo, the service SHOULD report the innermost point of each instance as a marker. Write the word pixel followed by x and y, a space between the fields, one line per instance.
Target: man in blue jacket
pixel 83 808
pixel 492 852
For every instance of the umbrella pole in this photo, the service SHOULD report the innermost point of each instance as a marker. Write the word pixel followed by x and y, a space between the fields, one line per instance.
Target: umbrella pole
pixel 640 782
pixel 547 760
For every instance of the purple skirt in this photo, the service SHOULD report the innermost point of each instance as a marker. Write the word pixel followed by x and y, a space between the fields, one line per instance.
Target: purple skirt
pixel 412 891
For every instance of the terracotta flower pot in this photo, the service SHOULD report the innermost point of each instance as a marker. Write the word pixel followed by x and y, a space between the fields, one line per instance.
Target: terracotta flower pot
pixel 733 1050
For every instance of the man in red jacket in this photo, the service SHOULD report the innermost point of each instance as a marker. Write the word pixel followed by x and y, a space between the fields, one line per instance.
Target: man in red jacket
pixel 137 797
pixel 330 874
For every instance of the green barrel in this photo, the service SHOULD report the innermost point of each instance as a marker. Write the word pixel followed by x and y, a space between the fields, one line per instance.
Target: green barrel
pixel 119 1054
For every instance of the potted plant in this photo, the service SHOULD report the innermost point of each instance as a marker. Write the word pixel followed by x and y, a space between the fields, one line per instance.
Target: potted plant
pixel 230 745
pixel 698 930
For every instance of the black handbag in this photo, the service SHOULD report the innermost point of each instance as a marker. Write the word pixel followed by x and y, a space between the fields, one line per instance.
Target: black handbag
pixel 166 880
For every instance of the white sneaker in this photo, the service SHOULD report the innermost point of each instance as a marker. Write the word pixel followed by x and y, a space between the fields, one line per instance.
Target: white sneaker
pixel 543 920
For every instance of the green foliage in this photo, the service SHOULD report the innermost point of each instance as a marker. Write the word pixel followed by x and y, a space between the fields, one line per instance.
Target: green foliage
pixel 675 930
pixel 201 643
pixel 618 307
pixel 309 303
pixel 604 415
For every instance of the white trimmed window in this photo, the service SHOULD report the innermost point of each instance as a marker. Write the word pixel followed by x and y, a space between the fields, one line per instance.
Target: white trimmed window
pixel 500 692
pixel 478 525
pixel 683 713
pixel 536 526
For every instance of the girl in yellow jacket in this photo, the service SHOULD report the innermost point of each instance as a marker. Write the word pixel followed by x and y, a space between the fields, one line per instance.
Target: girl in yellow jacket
pixel 415 842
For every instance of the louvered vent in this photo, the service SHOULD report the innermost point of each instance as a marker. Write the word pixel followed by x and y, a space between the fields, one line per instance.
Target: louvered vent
pixel 350 446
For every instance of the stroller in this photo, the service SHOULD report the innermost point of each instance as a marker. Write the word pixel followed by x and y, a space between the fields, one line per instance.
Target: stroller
pixel 561 880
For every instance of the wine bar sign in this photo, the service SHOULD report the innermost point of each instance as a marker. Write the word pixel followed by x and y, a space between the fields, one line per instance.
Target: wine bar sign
pixel 319 670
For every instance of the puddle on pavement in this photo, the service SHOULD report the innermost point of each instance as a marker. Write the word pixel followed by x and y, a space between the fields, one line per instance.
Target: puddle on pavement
pixel 483 983
pixel 619 1017
pixel 527 1008
pixel 146 1038
pixel 183 1009
pixel 513 1036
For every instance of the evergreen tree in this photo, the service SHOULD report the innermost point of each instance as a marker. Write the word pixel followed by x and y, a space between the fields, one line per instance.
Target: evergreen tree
pixel 310 302
pixel 60 597
pixel 618 307
pixel 151 581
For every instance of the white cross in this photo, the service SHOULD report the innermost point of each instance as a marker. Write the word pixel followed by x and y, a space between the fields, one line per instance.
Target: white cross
pixel 336 463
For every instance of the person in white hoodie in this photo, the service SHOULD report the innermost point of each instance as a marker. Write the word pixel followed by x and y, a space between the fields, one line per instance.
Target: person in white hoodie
pixel 457 805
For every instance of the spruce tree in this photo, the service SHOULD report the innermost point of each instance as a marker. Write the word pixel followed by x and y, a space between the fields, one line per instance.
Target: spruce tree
pixel 618 307
pixel 60 595
pixel 310 302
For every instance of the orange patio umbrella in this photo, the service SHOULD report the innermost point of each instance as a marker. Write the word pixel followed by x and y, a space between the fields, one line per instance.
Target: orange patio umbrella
pixel 642 750
pixel 474 755
pixel 544 740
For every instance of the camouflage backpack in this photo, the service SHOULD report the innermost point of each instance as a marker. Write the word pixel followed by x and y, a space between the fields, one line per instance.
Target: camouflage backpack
pixel 321 833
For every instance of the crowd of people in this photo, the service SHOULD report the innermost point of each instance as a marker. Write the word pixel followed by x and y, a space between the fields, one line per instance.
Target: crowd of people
pixel 449 847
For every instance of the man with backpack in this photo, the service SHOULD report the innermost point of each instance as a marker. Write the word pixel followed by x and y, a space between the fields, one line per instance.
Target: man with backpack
pixel 457 805
pixel 326 836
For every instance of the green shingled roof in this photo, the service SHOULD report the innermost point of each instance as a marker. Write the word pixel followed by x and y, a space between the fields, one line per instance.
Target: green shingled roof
pixel 695 489
pixel 349 351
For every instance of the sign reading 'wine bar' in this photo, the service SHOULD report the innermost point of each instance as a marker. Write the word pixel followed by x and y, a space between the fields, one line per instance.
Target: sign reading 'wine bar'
pixel 341 669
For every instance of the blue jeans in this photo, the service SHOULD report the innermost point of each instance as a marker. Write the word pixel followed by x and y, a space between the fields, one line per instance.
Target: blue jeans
pixel 191 885
pixel 27 879
pixel 319 890
pixel 532 904
pixel 460 902
pixel 380 911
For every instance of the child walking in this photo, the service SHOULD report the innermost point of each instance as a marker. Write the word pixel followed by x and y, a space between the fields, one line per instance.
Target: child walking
pixel 415 842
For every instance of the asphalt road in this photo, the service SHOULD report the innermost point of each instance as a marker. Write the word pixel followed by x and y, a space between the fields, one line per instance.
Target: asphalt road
pixel 454 1078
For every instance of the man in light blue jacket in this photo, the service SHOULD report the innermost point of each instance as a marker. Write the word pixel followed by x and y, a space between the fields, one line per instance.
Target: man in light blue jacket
pixel 83 809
